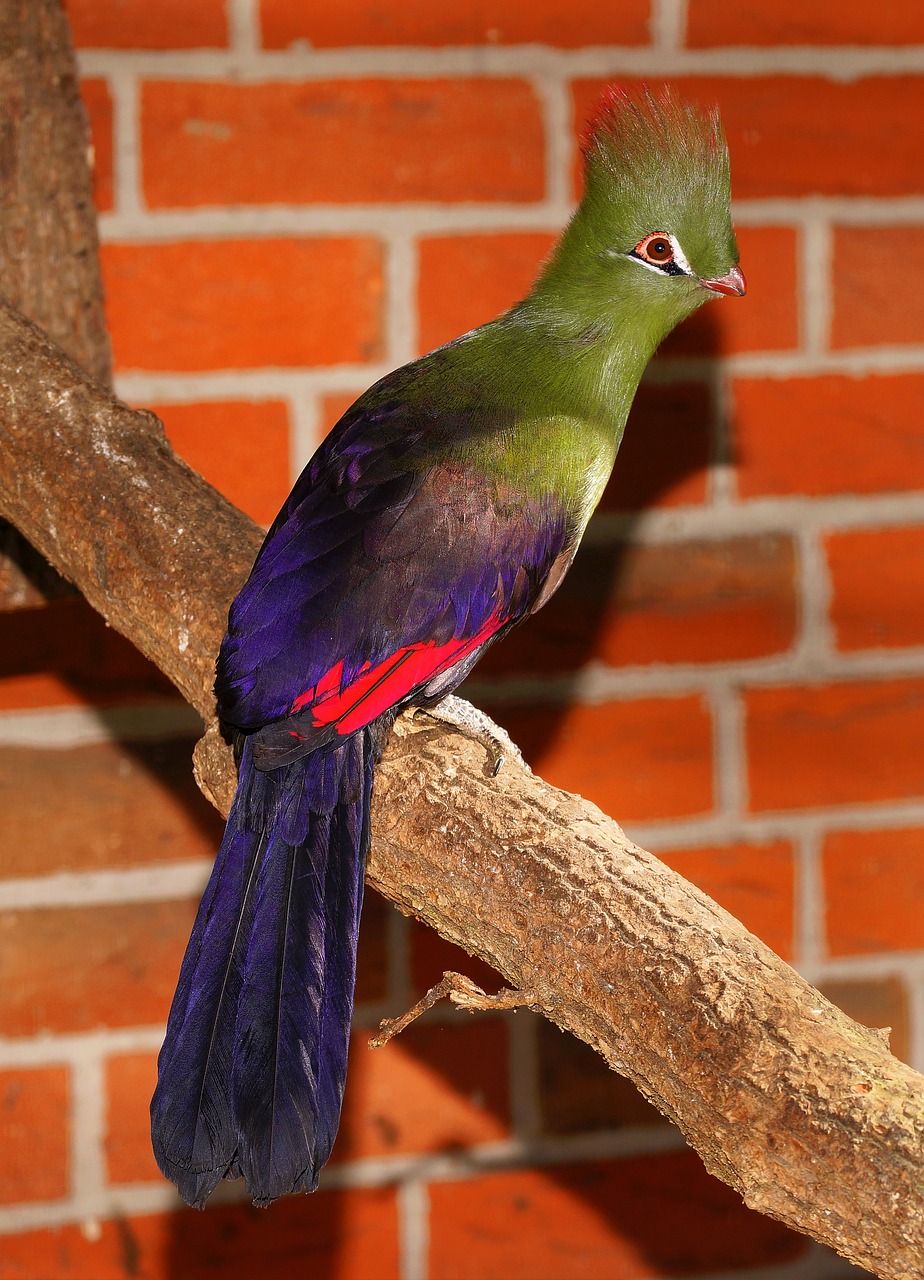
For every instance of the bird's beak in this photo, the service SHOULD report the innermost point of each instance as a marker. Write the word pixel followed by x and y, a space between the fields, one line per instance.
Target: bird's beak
pixel 733 283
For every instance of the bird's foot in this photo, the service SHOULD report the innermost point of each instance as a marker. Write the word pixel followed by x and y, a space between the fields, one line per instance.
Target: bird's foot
pixel 472 723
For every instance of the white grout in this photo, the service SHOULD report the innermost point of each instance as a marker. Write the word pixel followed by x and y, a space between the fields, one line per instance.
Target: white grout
pixel 413 1229
pixel 243 27
pixel 668 26
pixel 523 1074
pixel 838 64
pixel 126 142
pixel 555 210
pixel 399 304
pixel 64 728
pixel 816 267
pixel 131 222
pixel 809 935
pixel 817 641
pixel 304 428
pixel 88 1127
pixel 155 883
pixel 728 752
pixel 140 387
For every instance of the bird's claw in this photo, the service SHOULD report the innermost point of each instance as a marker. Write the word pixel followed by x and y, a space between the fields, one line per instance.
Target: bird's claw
pixel 472 723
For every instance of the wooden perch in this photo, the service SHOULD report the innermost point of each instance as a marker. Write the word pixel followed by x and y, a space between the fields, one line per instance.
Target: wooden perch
pixel 49 259
pixel 801 1110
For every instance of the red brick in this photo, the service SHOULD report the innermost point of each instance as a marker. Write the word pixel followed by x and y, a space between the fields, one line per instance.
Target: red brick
pixel 714 22
pixel 633 604
pixel 372 954
pixel 98 102
pixel 645 759
pixel 783 433
pixel 64 653
pixel 467 280
pixel 877 577
pixel 432 955
pixel 34 1121
pixel 755 882
pixel 111 805
pixel 851 743
pixel 875 1002
pixel 130 1080
pixel 346 1235
pixel 878 285
pixel 240 447
pixel 75 969
pixel 665 454
pixel 649 1216
pixel 578 1092
pixel 415 22
pixel 137 24
pixel 766 319
pixel 340 141
pixel 800 135
pixel 874 886
pixel 243 303
pixel 434 1089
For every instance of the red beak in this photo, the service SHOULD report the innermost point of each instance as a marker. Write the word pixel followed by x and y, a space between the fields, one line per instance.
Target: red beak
pixel 734 283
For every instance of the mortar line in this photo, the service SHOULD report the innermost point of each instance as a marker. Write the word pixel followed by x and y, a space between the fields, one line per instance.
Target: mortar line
pixel 126 145
pixel 555 98
pixel 88 1125
pixel 413 1229
pixel 156 882
pixel 817 644
pixel 810 948
pixel 839 64
pixel 547 214
pixel 243 28
pixel 169 385
pixel 304 429
pixel 668 25
pixel 815 280
pixel 399 304
pixel 523 1074
pixel 729 752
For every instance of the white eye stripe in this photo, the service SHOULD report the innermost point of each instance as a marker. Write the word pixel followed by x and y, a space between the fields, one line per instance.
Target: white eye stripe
pixel 679 259
pixel 679 256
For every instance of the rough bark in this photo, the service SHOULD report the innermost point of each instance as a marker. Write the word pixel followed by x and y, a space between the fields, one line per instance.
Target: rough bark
pixel 49 261
pixel 800 1109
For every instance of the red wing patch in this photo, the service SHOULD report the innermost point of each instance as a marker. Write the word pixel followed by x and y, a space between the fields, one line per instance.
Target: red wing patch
pixel 377 688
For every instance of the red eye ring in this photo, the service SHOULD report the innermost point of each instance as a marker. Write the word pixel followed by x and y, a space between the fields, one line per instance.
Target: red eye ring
pixel 656 249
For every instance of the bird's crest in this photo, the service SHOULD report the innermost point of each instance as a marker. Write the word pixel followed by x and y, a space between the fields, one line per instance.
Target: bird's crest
pixel 658 146
pixel 654 162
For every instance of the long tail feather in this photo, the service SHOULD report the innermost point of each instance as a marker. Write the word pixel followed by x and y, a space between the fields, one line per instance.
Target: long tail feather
pixel 252 1071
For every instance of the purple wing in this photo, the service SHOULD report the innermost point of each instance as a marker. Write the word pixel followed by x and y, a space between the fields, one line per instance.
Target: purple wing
pixel 385 575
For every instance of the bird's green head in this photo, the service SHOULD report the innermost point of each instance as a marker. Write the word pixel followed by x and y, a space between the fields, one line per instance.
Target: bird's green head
pixel 653 232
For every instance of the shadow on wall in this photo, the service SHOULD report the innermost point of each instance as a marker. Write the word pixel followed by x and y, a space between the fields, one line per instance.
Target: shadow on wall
pixel 672 437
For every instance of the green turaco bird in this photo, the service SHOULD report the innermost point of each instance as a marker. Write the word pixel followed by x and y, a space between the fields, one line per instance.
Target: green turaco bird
pixel 443 509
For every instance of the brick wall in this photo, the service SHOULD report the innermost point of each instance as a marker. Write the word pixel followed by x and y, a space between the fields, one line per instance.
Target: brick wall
pixel 296 196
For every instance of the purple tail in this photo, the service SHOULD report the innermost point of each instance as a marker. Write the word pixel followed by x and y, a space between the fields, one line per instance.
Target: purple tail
pixel 251 1074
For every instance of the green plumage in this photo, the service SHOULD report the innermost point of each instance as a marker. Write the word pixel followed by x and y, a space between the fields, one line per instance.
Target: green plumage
pixel 544 390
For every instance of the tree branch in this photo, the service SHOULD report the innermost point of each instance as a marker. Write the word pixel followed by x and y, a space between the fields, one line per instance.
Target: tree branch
pixel 800 1109
pixel 49 259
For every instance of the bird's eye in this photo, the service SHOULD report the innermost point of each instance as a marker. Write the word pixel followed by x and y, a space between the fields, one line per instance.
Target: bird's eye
pixel 656 249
